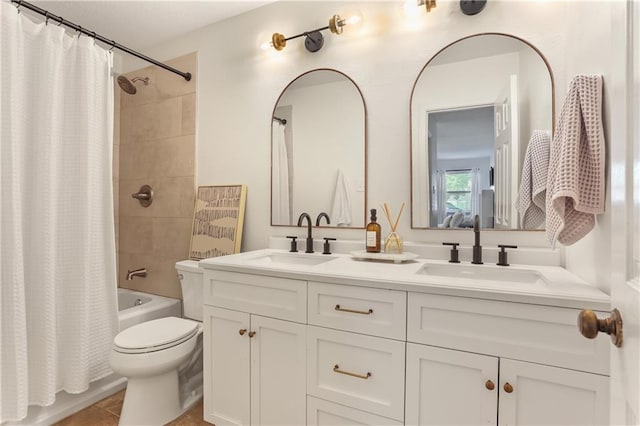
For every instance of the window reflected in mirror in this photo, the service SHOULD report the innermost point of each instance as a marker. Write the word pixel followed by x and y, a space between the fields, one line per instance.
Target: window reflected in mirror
pixel 474 107
pixel 318 158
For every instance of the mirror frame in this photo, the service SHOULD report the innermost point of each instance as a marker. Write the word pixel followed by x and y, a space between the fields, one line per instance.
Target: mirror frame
pixel 553 120
pixel 366 145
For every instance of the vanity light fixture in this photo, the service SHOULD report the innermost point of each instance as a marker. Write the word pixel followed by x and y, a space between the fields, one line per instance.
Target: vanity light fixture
pixel 429 4
pixel 314 40
pixel 472 7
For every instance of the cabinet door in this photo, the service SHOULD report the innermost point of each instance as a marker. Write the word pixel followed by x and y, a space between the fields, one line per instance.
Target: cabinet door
pixel 278 372
pixel 226 367
pixel 449 387
pixel 533 394
pixel 325 413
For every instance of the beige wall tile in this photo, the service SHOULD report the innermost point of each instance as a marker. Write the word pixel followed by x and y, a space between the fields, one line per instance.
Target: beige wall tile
pixel 125 126
pixel 135 235
pixel 161 275
pixel 124 262
pixel 187 196
pixel 167 193
pixel 171 237
pixel 115 165
pixel 173 157
pixel 189 114
pixel 155 120
pixel 136 160
pixel 171 84
pixel 157 148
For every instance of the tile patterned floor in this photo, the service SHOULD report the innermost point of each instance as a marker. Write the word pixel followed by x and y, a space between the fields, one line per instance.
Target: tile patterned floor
pixel 107 413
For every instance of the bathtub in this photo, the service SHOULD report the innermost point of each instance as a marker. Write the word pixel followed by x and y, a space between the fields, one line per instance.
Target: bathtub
pixel 134 307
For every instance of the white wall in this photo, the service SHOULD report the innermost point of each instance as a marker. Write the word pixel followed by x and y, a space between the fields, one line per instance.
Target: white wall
pixel 239 84
pixel 533 92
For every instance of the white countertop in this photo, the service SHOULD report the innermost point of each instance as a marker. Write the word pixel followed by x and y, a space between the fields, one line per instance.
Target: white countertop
pixel 558 288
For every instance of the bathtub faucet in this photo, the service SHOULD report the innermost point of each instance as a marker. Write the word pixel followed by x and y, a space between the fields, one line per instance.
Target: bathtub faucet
pixel 142 272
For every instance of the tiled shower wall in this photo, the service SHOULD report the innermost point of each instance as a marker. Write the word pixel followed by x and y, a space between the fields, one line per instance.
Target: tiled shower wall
pixel 157 148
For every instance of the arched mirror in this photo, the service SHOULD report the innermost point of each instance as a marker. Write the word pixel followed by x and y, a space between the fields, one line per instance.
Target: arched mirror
pixel 318 156
pixel 474 107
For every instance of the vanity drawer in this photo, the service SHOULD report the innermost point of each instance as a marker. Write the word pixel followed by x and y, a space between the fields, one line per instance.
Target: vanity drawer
pixel 542 334
pixel 273 297
pixel 364 310
pixel 362 372
pixel 324 413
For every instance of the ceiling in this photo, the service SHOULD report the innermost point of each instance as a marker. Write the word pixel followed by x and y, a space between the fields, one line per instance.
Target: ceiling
pixel 142 24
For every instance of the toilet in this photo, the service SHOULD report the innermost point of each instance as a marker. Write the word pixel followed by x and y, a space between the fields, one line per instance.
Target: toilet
pixel 162 358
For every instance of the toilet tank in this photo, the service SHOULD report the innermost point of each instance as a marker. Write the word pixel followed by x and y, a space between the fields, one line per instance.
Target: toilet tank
pixel 192 281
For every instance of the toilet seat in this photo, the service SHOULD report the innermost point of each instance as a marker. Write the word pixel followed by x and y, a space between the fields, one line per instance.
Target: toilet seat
pixel 155 335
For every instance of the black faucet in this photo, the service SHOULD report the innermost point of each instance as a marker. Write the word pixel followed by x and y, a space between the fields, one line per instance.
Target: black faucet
pixel 477 248
pixel 320 216
pixel 309 237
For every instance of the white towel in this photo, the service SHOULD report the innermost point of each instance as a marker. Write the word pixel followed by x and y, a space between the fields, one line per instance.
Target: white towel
pixel 341 211
pixel 533 184
pixel 576 180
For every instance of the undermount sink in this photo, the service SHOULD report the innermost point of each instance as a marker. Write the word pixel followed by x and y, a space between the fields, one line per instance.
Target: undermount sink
pixel 291 259
pixel 484 273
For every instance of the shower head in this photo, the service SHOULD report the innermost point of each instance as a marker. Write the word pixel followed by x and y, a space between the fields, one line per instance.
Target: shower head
pixel 128 86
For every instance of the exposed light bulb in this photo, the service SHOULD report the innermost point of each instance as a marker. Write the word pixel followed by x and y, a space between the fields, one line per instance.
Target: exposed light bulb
pixel 353 20
pixel 349 25
pixel 411 8
pixel 266 45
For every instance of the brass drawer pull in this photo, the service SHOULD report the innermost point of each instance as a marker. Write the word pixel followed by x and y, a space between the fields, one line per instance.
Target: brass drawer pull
pixel 336 369
pixel 242 331
pixel 353 311
pixel 489 384
pixel 252 333
pixel 508 388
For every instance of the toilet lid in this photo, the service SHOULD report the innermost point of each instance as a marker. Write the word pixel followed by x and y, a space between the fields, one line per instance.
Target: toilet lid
pixel 155 335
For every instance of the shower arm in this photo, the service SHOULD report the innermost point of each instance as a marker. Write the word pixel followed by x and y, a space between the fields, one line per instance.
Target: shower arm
pixel 61 21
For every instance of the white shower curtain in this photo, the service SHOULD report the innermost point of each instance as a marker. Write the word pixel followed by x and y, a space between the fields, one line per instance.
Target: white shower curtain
pixel 57 247
pixel 280 177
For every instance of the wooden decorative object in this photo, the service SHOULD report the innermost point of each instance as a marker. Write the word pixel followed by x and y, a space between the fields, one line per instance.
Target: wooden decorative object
pixel 393 242
pixel 217 221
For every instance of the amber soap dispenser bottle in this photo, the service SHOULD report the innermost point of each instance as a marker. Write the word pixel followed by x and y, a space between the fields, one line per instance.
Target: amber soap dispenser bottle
pixel 373 234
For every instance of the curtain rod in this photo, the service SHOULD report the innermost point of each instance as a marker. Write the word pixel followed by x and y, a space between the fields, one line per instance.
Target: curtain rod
pixel 48 15
pixel 282 121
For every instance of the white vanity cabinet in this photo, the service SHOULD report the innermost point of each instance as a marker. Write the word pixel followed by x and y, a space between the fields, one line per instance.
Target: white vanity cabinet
pixel 356 349
pixel 328 346
pixel 447 387
pixel 254 365
pixel 493 364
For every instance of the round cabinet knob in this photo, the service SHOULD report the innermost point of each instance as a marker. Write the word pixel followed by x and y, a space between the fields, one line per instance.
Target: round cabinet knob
pixel 508 388
pixel 589 325
pixel 252 333
pixel 490 385
pixel 242 331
